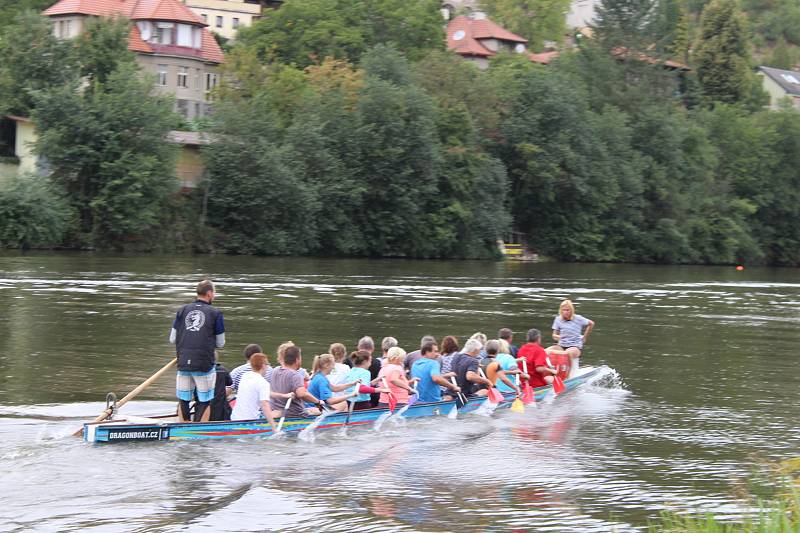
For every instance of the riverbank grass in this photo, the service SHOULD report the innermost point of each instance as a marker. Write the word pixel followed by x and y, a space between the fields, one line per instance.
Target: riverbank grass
pixel 780 516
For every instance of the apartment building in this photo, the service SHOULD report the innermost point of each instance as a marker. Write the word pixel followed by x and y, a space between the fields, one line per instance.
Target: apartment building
pixel 171 42
pixel 225 17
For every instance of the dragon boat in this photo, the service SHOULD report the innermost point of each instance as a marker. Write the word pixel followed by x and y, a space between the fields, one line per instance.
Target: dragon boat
pixel 165 428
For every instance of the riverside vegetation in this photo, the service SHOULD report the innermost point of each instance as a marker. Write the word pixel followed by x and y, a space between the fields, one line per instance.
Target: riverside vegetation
pixel 344 128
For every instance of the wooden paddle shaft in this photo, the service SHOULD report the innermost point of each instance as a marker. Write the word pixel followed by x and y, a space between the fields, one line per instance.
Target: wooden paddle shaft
pixel 134 393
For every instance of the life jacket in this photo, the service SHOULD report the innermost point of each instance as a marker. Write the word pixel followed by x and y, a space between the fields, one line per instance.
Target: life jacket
pixel 195 340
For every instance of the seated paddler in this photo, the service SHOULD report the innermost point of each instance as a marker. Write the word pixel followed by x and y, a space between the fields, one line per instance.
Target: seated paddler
pixel 288 379
pixel 465 365
pixel 429 375
pixel 252 399
pixel 321 387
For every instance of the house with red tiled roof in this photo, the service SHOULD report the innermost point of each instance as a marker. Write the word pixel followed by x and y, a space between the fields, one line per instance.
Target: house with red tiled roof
pixel 477 38
pixel 171 42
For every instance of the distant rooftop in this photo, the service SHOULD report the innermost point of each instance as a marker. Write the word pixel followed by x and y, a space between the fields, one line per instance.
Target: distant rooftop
pixel 789 80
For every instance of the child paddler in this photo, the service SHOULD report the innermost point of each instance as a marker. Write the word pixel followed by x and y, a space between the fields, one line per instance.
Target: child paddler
pixel 360 372
pixel 321 387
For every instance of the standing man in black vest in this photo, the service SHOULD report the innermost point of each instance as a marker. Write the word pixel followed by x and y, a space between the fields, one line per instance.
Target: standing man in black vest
pixel 197 331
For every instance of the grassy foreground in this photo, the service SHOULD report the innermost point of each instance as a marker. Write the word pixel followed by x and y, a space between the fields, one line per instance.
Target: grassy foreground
pixel 779 516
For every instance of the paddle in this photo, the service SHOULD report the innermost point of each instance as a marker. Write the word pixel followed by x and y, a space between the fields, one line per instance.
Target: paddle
pixel 460 394
pixel 518 406
pixel 391 397
pixel 493 394
pixel 413 398
pixel 132 394
pixel 558 383
pixel 528 396
pixel 285 407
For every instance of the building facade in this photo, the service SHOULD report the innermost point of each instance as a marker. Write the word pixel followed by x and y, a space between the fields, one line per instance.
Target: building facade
pixel 781 85
pixel 225 17
pixel 171 42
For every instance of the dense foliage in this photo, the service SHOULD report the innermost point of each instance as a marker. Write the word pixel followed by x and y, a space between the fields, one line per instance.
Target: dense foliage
pixel 100 131
pixel 343 128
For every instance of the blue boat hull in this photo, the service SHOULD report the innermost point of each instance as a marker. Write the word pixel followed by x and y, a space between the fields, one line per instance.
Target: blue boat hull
pixel 111 432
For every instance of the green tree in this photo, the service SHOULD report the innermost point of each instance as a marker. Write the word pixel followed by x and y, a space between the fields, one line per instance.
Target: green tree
pixel 33 60
pixel 625 24
pixel 722 53
pixel 33 213
pixel 570 170
pixel 784 56
pixel 304 32
pixel 11 9
pixel 258 204
pixel 106 149
pixel 536 20
pixel 101 47
pixel 399 159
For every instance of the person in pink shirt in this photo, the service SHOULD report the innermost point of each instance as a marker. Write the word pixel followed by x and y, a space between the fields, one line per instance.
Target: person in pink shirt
pixel 395 378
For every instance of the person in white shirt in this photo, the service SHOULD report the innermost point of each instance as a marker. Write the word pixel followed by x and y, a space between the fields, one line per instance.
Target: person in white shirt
pixel 340 369
pixel 252 399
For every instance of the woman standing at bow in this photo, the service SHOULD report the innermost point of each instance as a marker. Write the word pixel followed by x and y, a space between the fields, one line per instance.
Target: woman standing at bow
pixel 569 332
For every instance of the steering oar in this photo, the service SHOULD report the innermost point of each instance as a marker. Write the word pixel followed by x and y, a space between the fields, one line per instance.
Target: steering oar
pixel 131 395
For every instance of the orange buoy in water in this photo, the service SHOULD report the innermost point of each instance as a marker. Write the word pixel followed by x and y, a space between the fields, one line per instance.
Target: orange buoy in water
pixel 739 267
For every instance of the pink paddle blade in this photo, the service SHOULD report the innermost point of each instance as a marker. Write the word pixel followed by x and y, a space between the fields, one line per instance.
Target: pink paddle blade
pixel 558 385
pixel 495 396
pixel 528 396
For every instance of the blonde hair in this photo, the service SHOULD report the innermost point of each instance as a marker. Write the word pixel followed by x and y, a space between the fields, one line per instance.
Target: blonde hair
pixel 504 346
pixel 321 362
pixel 396 355
pixel 480 337
pixel 339 351
pixel 566 304
pixel 282 349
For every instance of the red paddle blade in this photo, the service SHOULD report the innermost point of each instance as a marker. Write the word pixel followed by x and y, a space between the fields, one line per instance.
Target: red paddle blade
pixel 558 385
pixel 495 396
pixel 528 396
pixel 392 402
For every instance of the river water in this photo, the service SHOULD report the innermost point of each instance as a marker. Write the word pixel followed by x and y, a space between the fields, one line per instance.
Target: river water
pixel 703 388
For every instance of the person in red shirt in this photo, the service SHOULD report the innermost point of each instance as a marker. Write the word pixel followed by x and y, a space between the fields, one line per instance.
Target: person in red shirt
pixel 535 358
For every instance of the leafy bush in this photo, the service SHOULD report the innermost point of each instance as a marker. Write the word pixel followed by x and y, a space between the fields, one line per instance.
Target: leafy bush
pixel 33 214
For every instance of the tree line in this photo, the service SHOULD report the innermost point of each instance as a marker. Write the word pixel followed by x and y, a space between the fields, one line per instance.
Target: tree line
pixel 350 131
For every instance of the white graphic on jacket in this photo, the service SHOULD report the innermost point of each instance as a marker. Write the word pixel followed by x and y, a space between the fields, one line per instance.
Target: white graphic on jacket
pixel 195 320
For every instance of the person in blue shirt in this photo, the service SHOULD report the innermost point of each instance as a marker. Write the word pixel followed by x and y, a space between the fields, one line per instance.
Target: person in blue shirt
pixel 361 361
pixel 427 370
pixel 321 387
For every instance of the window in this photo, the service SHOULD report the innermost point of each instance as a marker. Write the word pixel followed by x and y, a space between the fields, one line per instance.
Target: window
pixel 183 76
pixel 162 75
pixel 198 109
pixel 211 81
pixel 145 29
pixel 205 17
pixel 164 32
pixel 197 37
pixel 63 29
pixel 219 22
pixel 235 23
pixel 184 35
pixel 198 79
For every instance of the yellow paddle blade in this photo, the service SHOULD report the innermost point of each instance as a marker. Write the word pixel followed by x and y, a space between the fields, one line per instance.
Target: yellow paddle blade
pixel 518 406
